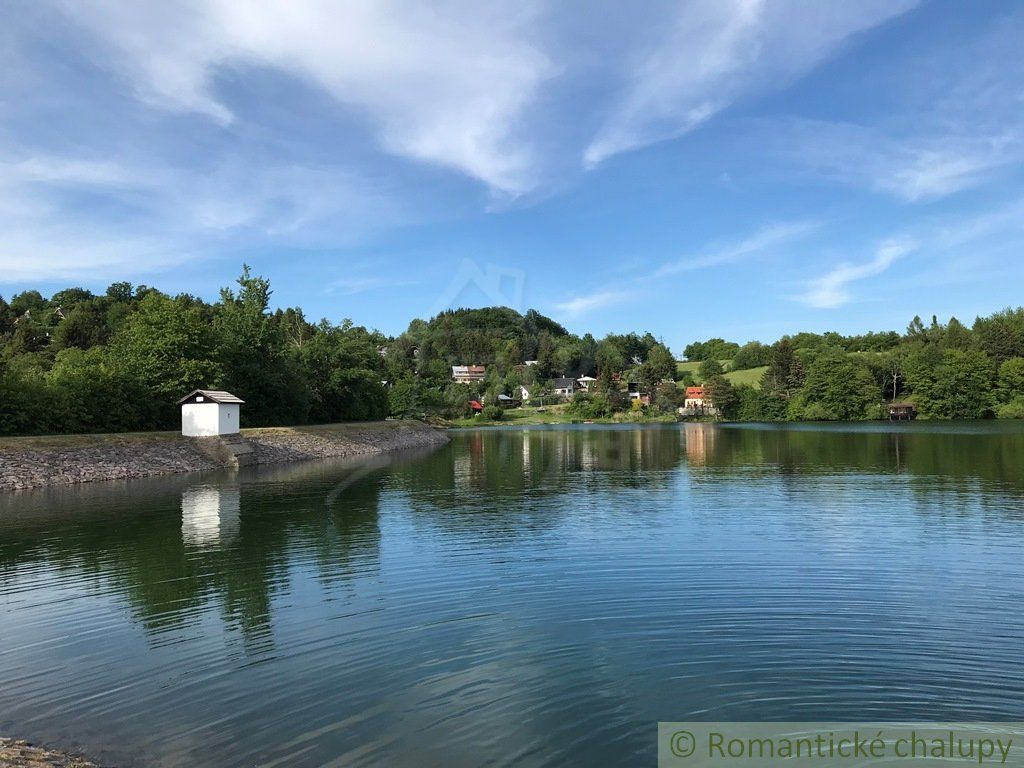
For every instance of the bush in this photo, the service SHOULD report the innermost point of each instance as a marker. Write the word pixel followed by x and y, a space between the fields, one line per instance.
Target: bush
pixel 1012 410
pixel 492 413
pixel 587 406
pixel 818 412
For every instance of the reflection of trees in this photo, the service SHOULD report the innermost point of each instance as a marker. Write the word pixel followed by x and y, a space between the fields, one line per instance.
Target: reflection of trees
pixel 492 477
pixel 957 455
pixel 171 549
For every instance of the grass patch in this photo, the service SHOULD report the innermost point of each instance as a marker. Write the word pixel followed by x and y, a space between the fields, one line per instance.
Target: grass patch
pixel 82 441
pixel 554 414
pixel 751 376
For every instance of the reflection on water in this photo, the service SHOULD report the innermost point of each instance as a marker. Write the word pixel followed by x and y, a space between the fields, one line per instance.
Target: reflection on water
pixel 526 597
pixel 209 515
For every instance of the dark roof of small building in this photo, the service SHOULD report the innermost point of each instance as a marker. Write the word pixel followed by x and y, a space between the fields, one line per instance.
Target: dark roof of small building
pixel 903 404
pixel 562 383
pixel 216 395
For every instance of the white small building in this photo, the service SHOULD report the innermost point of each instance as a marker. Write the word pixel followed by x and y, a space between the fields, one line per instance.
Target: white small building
pixel 208 412
pixel 586 382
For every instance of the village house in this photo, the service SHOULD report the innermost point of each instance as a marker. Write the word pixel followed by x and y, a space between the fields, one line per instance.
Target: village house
pixel 563 387
pixel 697 403
pixel 468 374
pixel 210 412
pixel 586 383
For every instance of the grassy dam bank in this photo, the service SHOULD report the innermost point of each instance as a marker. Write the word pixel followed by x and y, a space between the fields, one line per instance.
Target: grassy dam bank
pixel 33 462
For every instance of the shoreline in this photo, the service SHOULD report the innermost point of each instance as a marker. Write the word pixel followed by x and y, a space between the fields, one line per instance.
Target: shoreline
pixel 17 753
pixel 36 462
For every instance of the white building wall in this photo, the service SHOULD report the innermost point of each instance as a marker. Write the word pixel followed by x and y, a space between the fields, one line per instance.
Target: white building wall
pixel 199 420
pixel 228 423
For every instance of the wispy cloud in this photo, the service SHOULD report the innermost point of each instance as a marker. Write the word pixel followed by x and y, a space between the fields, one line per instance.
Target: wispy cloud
pixel 927 164
pixel 764 240
pixel 831 289
pixel 582 305
pixel 717 52
pixel 158 216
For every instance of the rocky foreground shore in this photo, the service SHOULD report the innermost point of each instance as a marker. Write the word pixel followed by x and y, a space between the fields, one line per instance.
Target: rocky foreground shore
pixel 36 462
pixel 20 754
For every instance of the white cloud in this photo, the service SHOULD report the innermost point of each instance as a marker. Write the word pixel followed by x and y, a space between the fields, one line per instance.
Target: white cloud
pixel 763 240
pixel 926 164
pixel 830 290
pixel 442 85
pixel 947 167
pixel 582 305
pixel 159 216
pixel 719 51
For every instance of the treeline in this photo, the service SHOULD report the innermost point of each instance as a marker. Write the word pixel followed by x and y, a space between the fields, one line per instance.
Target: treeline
pixel 119 361
pixel 948 371
pixel 78 362
pixel 418 362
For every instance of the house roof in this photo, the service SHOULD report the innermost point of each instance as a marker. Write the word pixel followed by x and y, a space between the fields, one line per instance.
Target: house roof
pixel 216 395
pixel 586 378
pixel 695 391
pixel 562 383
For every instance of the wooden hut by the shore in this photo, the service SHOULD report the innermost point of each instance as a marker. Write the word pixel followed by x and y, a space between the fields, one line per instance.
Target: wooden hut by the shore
pixel 902 411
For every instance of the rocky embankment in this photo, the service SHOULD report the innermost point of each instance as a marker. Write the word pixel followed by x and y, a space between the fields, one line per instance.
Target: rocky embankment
pixel 36 462
pixel 20 754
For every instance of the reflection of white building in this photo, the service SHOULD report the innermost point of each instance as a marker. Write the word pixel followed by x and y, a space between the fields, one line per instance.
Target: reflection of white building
pixel 209 515
pixel 700 440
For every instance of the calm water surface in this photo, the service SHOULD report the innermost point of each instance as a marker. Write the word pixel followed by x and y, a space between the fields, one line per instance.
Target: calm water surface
pixel 520 597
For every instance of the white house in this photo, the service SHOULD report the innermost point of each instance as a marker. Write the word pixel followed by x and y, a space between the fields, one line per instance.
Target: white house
pixel 563 387
pixel 586 382
pixel 206 412
pixel 468 374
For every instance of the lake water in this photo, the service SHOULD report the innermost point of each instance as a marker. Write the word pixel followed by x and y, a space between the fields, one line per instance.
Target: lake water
pixel 520 597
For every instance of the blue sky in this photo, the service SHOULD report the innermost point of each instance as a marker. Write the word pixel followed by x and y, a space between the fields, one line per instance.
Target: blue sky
pixel 742 168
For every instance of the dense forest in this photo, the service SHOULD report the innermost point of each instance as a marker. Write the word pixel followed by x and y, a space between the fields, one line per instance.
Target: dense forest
pixel 81 362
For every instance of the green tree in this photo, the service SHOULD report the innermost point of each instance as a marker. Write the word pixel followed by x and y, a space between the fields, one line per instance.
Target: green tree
pixel 753 354
pixel 785 374
pixel 344 372
pixel 658 367
pixel 82 327
pixel 712 349
pixel 609 360
pixel 839 386
pixel 709 369
pixel 720 391
pixel 955 384
pixel 252 354
pixel 1011 379
pixel 167 347
pixel 1001 336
